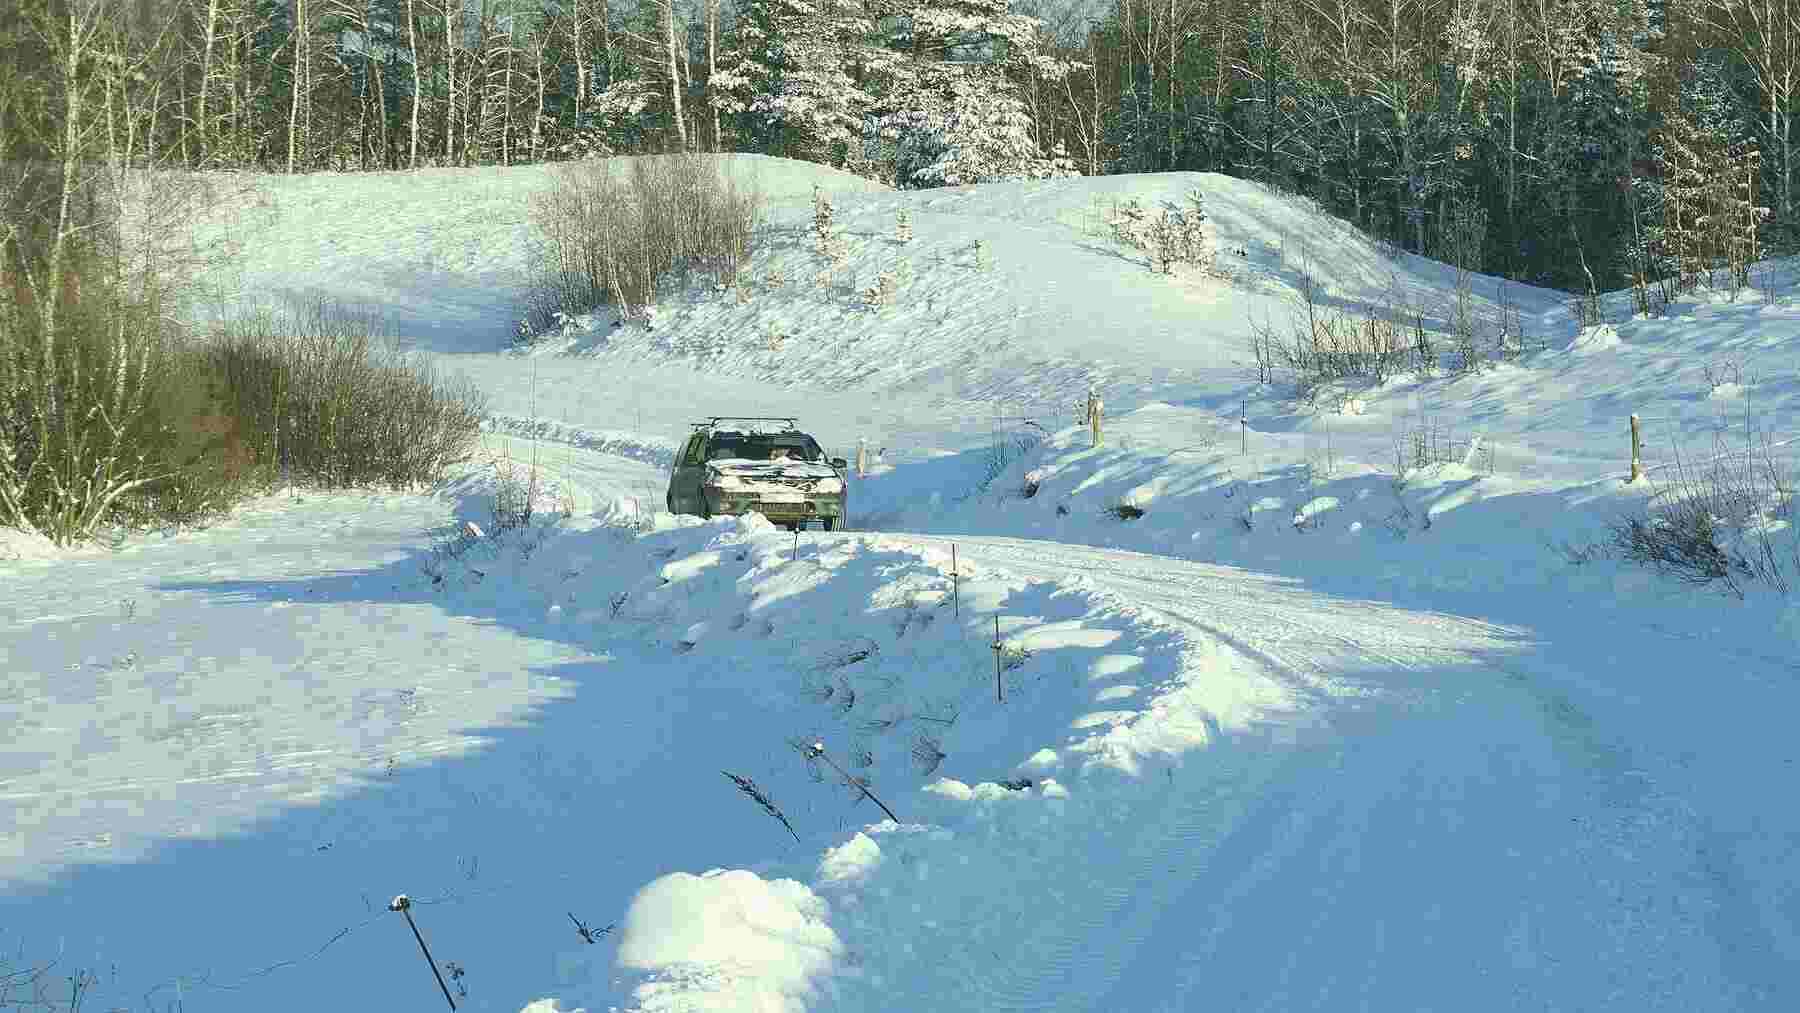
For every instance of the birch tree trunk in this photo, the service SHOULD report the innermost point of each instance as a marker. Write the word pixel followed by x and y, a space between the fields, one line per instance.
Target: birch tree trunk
pixel 418 83
pixel 674 69
pixel 580 56
pixel 206 74
pixel 74 43
pixel 1765 35
pixel 712 67
pixel 452 17
pixel 298 98
pixel 537 119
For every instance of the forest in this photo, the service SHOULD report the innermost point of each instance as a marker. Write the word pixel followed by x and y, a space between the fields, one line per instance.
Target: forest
pixel 1585 145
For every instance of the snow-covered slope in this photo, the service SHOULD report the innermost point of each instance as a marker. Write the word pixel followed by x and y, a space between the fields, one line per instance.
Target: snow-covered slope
pixel 1297 736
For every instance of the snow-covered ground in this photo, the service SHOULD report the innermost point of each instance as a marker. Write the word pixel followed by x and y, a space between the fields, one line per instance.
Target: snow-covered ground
pixel 1298 736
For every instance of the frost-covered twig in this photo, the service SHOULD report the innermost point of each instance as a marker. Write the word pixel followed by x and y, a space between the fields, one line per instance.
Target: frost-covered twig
pixel 749 788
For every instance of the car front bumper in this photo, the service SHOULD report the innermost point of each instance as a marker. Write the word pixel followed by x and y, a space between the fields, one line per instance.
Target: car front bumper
pixel 778 511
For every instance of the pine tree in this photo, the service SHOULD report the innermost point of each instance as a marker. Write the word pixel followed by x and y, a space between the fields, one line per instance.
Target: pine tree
pixel 953 113
pixel 789 77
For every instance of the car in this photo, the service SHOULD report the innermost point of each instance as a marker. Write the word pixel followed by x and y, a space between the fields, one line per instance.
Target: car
pixel 737 465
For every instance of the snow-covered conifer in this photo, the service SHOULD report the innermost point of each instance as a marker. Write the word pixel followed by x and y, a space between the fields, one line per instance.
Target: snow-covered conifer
pixel 957 117
pixel 790 74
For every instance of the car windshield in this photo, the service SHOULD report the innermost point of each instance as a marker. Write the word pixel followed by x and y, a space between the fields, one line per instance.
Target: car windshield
pixel 763 447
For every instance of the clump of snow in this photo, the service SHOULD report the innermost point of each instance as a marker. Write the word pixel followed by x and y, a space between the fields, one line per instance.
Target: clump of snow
pixel 19 546
pixel 851 862
pixel 950 788
pixel 726 940
pixel 1597 339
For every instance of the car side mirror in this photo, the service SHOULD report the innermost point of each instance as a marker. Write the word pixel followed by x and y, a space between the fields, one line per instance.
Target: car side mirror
pixel 838 462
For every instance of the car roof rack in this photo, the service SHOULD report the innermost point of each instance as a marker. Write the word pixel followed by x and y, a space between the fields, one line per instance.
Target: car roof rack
pixel 714 420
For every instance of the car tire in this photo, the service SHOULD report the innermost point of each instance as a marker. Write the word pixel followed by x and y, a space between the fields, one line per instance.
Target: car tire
pixel 827 523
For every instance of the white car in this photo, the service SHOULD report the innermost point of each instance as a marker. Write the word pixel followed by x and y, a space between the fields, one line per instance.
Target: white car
pixel 734 466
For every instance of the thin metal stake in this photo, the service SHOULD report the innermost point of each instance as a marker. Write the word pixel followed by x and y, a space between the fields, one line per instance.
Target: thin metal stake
pixel 817 751
pixel 404 906
pixel 999 687
pixel 955 583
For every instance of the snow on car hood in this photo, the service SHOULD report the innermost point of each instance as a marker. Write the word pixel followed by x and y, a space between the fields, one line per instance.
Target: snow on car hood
pixel 739 474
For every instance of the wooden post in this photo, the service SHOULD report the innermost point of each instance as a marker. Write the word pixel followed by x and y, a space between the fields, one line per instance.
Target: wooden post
pixel 1637 450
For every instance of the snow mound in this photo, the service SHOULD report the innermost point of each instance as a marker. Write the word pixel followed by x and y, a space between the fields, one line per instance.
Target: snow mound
pixel 726 940
pixel 1592 340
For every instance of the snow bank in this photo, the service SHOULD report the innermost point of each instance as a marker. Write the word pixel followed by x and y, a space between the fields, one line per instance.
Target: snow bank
pixel 727 940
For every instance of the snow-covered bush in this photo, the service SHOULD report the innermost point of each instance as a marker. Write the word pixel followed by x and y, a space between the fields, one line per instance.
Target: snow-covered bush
pixel 1173 237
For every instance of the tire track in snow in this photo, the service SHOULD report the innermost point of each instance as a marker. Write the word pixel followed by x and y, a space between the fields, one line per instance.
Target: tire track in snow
pixel 1073 960
pixel 1610 916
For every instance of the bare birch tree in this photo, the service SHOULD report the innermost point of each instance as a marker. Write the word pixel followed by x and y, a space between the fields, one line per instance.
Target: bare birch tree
pixel 1765 35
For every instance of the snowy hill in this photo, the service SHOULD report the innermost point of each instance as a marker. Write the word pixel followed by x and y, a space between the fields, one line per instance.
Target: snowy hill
pixel 1300 732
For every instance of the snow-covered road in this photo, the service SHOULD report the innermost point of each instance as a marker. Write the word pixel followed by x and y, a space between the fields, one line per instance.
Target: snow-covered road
pixel 1427 829
pixel 1392 807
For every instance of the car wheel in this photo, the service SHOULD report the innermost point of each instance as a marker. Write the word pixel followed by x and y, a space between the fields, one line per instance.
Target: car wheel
pixel 827 522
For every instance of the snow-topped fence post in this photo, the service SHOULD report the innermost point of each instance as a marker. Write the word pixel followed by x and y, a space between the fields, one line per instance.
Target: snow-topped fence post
pixel 998 647
pixel 955 583
pixel 862 457
pixel 1637 450
pixel 403 905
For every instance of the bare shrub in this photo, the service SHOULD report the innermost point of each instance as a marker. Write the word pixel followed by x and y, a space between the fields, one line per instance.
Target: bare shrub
pixel 1462 233
pixel 1004 450
pixel 1426 444
pixel 331 405
pixel 927 753
pixel 1718 374
pixel 1124 511
pixel 1510 343
pixel 618 232
pixel 123 422
pixel 1716 521
pixel 77 368
pixel 1322 346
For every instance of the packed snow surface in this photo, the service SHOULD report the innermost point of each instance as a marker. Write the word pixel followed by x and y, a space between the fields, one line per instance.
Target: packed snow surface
pixel 1224 712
